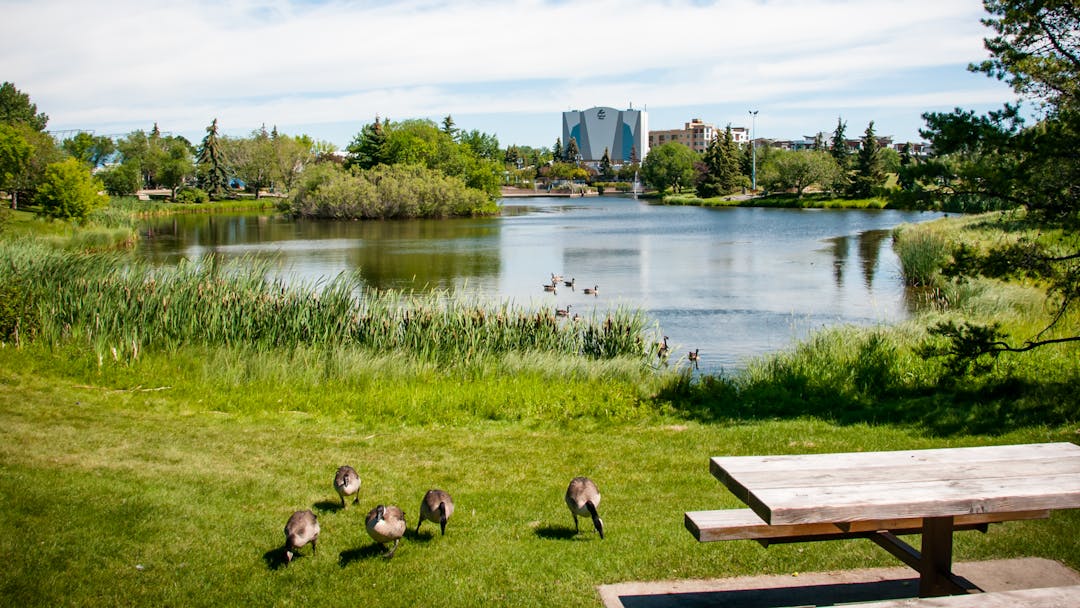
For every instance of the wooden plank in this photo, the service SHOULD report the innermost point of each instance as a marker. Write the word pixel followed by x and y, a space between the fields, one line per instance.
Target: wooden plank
pixel 914 499
pixel 746 481
pixel 1049 597
pixel 899 459
pixel 744 524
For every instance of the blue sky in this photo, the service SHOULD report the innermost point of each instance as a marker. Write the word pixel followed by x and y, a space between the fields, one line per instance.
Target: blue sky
pixel 509 67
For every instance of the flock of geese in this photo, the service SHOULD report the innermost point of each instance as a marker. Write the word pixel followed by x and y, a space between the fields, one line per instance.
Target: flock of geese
pixel 386 524
pixel 663 351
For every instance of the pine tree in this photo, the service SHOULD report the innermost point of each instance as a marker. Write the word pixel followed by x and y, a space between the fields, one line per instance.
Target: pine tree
pixel 557 151
pixel 605 165
pixel 212 175
pixel 449 128
pixel 572 151
pixel 723 170
pixel 869 169
pixel 838 148
pixel 904 178
pixel 366 149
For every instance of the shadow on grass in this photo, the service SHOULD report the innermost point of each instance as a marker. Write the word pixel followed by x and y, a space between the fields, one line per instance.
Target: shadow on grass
pixel 950 407
pixel 556 532
pixel 275 558
pixel 328 506
pixel 364 553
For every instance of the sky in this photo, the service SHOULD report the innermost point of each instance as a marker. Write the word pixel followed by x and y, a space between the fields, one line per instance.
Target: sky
pixel 326 68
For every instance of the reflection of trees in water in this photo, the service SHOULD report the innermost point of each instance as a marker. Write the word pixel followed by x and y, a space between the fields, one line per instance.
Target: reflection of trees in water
pixel 840 253
pixel 870 243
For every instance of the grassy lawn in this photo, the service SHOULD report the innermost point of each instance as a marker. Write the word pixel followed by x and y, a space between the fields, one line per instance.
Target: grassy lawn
pixel 135 487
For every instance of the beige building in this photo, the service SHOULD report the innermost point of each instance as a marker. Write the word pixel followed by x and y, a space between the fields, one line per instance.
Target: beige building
pixel 696 135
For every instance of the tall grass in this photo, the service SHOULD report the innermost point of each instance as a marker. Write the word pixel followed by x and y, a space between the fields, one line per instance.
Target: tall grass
pixel 121 305
pixel 922 253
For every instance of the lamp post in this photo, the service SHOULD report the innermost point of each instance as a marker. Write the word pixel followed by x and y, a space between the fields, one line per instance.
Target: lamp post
pixel 753 152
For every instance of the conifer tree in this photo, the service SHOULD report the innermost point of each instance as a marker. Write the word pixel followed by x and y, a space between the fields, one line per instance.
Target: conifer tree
pixel 869 169
pixel 557 151
pixel 605 165
pixel 572 151
pixel 366 149
pixel 838 148
pixel 212 175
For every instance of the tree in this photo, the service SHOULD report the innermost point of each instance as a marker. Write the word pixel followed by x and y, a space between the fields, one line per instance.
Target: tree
pixel 123 179
pixel 69 192
pixel 572 151
pixel 669 165
pixel 723 172
pixel 213 178
pixel 605 165
pixel 797 170
pixel 869 168
pixel 448 126
pixel 557 151
pixel 291 154
pixel 994 159
pixel 92 150
pixel 366 149
pixel 482 144
pixel 16 107
pixel 252 159
pixel 15 153
pixel 176 164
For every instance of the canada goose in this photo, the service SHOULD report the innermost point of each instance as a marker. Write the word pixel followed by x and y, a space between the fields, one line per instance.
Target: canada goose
pixel 570 283
pixel 582 497
pixel 555 278
pixel 385 524
pixel 347 483
pixel 693 356
pixel 663 351
pixel 552 287
pixel 563 312
pixel 593 291
pixel 437 506
pixel 301 529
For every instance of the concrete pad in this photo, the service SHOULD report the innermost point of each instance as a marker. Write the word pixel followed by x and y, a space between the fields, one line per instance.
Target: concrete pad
pixel 830 588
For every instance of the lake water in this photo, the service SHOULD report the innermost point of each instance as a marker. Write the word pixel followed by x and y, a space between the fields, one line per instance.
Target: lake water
pixel 734 283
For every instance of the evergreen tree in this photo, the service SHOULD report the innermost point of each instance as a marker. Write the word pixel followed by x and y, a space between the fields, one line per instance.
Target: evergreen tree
pixel 838 148
pixel 605 165
pixel 869 169
pixel 366 149
pixel 723 171
pixel 557 151
pixel 819 142
pixel 448 127
pixel 212 175
pixel 904 178
pixel 572 151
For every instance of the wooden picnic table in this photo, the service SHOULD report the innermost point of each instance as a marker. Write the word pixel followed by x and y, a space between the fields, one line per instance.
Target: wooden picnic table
pixel 933 488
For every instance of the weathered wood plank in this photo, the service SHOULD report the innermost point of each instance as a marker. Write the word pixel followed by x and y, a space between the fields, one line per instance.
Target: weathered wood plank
pixel 899 459
pixel 914 499
pixel 1049 597
pixel 744 524
pixel 862 475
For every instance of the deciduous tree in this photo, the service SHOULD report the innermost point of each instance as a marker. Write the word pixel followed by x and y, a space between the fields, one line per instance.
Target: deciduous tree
pixel 669 165
pixel 68 191
pixel 16 107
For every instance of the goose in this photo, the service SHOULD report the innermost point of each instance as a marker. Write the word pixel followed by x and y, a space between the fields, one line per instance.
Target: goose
pixel 592 291
pixel 301 529
pixel 582 497
pixel 385 524
pixel 347 483
pixel 570 283
pixel 437 506
pixel 663 351
pixel 563 312
pixel 555 278
pixel 552 287
pixel 693 356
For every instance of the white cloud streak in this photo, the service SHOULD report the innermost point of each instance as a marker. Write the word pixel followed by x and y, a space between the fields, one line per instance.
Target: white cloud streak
pixel 248 62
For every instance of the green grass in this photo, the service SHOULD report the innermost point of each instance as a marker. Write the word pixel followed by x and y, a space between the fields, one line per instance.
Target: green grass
pixel 129 491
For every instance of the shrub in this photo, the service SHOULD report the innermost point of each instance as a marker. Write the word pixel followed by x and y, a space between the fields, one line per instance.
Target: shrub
pixel 192 195
pixel 922 254
pixel 68 191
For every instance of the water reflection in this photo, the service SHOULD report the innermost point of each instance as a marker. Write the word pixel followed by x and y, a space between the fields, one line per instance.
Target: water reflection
pixel 733 282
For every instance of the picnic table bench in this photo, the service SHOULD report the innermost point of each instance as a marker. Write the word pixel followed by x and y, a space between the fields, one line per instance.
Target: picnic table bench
pixel 881 495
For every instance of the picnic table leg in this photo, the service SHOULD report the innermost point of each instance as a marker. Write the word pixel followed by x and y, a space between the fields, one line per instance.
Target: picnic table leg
pixel 935 568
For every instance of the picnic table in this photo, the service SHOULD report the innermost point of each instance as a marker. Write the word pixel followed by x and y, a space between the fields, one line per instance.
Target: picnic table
pixel 878 495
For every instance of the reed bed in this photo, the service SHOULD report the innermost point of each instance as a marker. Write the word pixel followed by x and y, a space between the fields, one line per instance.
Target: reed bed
pixel 121 305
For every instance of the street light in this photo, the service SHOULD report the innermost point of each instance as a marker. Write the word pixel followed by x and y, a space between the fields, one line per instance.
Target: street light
pixel 753 152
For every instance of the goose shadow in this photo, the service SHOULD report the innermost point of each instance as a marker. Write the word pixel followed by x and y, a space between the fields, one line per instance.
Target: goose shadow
pixel 360 553
pixel 328 506
pixel 556 532
pixel 275 558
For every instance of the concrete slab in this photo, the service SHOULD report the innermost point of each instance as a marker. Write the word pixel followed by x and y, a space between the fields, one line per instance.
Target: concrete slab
pixel 829 588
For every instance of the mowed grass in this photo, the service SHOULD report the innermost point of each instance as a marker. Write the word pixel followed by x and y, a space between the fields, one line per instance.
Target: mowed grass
pixel 128 485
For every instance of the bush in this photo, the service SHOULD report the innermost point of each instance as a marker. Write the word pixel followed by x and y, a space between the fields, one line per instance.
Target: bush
pixel 69 192
pixel 192 195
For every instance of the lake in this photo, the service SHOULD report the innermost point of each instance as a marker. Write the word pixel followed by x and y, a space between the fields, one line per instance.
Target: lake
pixel 732 282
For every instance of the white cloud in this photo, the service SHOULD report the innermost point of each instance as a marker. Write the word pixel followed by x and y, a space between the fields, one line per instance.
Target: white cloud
pixel 248 62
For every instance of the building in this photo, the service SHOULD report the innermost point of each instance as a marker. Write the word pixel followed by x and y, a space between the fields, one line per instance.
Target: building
pixel 623 133
pixel 696 135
